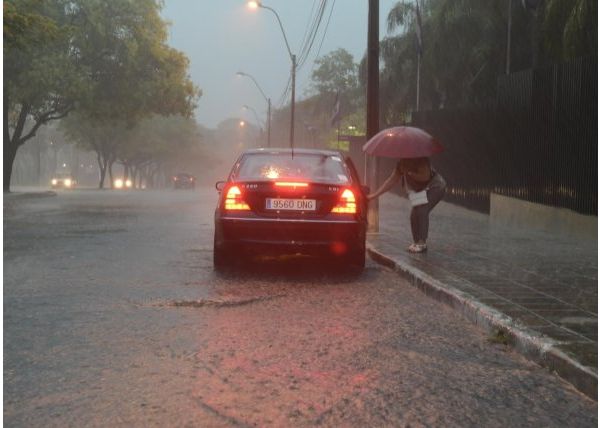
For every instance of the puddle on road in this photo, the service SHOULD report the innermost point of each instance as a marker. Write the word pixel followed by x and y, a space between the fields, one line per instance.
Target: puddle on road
pixel 214 303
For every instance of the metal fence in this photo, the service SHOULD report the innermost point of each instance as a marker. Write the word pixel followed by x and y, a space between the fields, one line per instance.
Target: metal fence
pixel 539 143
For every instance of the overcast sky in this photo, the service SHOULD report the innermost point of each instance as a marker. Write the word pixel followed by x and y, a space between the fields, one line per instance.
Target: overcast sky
pixel 221 37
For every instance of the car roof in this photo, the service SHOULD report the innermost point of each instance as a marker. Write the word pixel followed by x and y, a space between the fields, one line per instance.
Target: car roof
pixel 281 150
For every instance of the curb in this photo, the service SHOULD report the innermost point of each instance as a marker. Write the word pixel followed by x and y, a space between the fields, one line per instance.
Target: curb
pixel 527 342
pixel 28 195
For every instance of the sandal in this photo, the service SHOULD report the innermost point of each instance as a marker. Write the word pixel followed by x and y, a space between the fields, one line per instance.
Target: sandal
pixel 417 248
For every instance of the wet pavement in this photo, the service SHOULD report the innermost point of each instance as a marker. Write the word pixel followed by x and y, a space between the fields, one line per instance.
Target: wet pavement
pixel 113 316
pixel 544 282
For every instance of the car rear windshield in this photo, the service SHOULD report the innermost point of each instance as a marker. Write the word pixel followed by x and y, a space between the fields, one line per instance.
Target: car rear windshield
pixel 325 168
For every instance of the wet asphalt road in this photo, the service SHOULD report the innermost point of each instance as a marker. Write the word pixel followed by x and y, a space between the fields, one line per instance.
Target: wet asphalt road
pixel 113 316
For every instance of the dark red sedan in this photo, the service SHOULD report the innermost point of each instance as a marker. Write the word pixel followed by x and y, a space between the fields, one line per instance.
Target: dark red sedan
pixel 276 202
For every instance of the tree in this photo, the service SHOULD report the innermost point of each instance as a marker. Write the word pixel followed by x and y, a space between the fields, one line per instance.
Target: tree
pixel 335 76
pixel 335 72
pixel 158 143
pixel 102 138
pixel 570 28
pixel 131 72
pixel 42 79
pixel 465 48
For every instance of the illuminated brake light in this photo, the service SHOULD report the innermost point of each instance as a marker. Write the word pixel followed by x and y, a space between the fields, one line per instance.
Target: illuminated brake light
pixel 234 201
pixel 347 203
pixel 290 184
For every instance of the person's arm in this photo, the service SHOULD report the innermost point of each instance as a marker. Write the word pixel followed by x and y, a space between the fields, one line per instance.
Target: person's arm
pixel 387 185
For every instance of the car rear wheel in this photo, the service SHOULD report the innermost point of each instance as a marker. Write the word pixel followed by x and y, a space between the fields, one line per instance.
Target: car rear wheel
pixel 356 259
pixel 221 258
pixel 224 257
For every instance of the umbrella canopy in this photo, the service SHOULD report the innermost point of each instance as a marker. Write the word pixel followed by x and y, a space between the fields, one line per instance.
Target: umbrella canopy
pixel 402 142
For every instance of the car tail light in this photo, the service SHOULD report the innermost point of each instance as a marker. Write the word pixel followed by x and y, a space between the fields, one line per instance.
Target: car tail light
pixel 290 184
pixel 234 201
pixel 346 204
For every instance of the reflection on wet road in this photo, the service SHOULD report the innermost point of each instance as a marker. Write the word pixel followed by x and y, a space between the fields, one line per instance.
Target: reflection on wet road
pixel 113 316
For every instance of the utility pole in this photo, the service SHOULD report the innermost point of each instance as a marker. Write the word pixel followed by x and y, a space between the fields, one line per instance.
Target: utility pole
pixel 509 29
pixel 418 79
pixel 269 122
pixel 373 106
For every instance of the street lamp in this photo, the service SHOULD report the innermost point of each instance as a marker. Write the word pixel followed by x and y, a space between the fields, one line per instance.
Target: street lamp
pixel 255 5
pixel 241 73
pixel 261 133
pixel 245 107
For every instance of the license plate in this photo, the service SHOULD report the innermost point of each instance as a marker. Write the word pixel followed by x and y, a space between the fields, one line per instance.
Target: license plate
pixel 291 204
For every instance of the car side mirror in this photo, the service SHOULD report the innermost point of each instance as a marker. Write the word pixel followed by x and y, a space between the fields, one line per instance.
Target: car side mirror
pixel 220 185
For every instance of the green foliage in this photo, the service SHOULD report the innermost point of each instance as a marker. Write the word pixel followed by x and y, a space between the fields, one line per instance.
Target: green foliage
pixel 570 28
pixel 41 79
pixel 335 72
pixel 25 26
pixel 132 73
pixel 106 58
pixel 465 49
pixel 160 139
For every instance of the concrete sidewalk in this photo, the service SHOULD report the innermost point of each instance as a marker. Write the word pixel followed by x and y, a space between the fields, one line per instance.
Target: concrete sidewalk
pixel 534 290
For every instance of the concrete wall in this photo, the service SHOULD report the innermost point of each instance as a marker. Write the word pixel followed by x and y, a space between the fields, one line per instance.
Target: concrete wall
pixel 517 213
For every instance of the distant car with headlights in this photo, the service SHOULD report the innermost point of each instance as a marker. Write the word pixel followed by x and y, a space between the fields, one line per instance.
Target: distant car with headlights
pixel 63 181
pixel 276 202
pixel 122 183
pixel 184 181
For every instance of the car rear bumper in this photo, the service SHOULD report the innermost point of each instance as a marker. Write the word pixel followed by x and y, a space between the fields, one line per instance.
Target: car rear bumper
pixel 274 235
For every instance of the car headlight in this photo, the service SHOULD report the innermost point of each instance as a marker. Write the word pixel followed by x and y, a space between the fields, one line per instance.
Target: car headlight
pixel 54 181
pixel 68 182
pixel 118 183
pixel 127 183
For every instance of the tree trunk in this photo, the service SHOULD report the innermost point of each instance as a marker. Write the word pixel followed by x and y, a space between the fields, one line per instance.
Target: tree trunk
pixel 102 166
pixel 10 149
pixel 110 174
pixel 38 163
pixel 102 163
pixel 152 177
pixel 10 153
pixel 19 137
pixel 75 163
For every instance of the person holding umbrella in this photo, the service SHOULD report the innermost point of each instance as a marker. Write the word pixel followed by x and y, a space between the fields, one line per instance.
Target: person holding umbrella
pixel 424 186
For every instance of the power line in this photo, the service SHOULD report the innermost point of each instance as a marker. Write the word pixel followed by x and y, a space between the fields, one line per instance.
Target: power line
pixel 308 46
pixel 285 93
pixel 310 34
pixel 325 32
pixel 321 43
pixel 308 22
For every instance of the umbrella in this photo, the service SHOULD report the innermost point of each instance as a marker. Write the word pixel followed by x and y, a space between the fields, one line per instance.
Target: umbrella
pixel 402 142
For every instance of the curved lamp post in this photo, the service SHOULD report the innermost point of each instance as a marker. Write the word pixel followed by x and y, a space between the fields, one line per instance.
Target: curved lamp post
pixel 255 5
pixel 258 138
pixel 241 73
pixel 245 107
